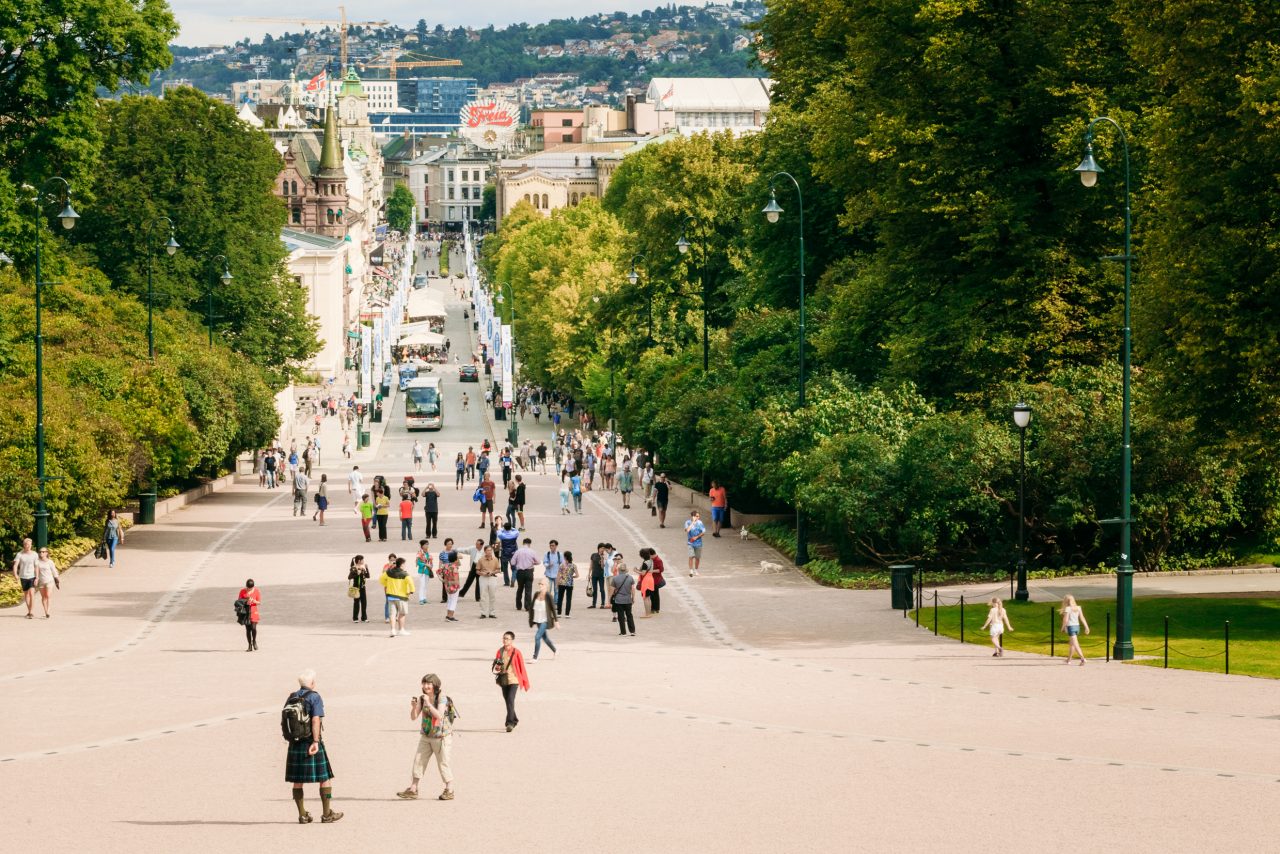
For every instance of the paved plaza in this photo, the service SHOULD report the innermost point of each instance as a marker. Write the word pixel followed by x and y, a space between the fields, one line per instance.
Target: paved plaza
pixel 758 713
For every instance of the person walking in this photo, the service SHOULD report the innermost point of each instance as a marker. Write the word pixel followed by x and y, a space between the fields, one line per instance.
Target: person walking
pixel 997 622
pixel 423 563
pixel 112 536
pixel 365 509
pixel 355 485
pixel 473 574
pixel 719 507
pixel 300 484
pixel 357 579
pixel 24 570
pixel 449 579
pixel 510 513
pixel 46 579
pixel 623 589
pixel 322 499
pixel 436 711
pixel 564 498
pixel 1072 620
pixel 406 518
pixel 542 617
pixel 658 582
pixel 644 584
pixel 432 455
pixel 564 585
pixel 253 597
pixel 471 462
pixel 487 491
pixel 625 484
pixel 487 569
pixel 460 471
pixel 508 543
pixel 269 470
pixel 595 581
pixel 551 563
pixel 417 455
pixel 509 671
pixel 523 562
pixel 307 760
pixel 381 509
pixel 431 510
pixel 399 587
pixel 575 489
pixel 693 531
pixel 661 493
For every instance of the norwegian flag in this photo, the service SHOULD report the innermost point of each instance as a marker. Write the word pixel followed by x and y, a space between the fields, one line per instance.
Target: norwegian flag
pixel 667 97
pixel 318 82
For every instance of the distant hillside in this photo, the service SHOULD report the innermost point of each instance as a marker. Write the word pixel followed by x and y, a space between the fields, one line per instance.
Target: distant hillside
pixel 617 49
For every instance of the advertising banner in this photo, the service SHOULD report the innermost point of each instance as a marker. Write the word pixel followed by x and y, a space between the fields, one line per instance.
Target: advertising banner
pixel 508 386
pixel 366 362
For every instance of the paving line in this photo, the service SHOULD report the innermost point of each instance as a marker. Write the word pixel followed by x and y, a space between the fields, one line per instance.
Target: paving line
pixel 168 605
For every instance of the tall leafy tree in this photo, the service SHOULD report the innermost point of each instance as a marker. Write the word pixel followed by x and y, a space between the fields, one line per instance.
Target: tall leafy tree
pixel 400 209
pixel 187 157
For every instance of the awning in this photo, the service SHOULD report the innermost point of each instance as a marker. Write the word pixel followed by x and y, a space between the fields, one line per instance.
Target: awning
pixel 422 339
pixel 426 303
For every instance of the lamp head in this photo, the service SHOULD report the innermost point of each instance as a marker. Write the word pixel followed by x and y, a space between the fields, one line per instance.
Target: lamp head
pixel 1021 415
pixel 682 245
pixel 172 246
pixel 633 276
pixel 772 210
pixel 500 298
pixel 68 216
pixel 1088 170
pixel 226 276
pixel 5 260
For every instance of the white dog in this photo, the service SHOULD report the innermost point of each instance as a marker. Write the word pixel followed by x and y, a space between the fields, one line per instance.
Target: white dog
pixel 744 533
pixel 768 566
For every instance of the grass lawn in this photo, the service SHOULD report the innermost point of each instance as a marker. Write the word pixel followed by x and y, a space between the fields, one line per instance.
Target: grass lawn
pixel 1196 631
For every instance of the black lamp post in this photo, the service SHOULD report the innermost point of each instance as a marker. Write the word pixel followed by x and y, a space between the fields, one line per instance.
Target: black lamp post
pixel 1022 418
pixel 170 247
pixel 1088 170
pixel 225 278
pixel 68 218
pixel 683 245
pixel 513 432
pixel 771 212
pixel 634 278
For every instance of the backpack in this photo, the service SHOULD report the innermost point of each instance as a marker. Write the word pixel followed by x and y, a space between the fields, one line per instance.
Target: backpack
pixel 242 611
pixel 295 719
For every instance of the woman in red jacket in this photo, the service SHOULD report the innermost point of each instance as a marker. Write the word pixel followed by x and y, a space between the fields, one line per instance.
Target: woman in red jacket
pixel 655 595
pixel 509 670
pixel 254 595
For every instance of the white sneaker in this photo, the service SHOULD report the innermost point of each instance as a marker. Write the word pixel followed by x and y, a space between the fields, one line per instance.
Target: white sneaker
pixel 404 631
pixel 533 661
pixel 393 632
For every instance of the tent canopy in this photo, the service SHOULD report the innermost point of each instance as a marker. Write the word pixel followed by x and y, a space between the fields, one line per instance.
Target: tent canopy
pixel 421 339
pixel 426 303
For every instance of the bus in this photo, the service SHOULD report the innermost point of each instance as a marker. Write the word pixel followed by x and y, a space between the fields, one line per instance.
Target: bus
pixel 423 404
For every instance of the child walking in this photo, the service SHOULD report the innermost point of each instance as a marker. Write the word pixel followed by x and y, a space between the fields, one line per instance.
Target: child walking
pixel 1072 620
pixel 997 622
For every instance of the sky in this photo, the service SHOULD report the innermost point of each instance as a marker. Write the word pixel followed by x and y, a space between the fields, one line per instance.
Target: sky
pixel 206 22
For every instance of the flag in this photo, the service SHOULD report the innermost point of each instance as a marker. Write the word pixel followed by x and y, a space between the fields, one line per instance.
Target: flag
pixel 318 82
pixel 662 102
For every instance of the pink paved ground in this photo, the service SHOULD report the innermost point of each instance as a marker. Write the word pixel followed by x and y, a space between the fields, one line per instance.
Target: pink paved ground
pixel 758 713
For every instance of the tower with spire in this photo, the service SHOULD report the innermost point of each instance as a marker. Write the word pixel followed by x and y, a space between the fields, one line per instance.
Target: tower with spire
pixel 331 180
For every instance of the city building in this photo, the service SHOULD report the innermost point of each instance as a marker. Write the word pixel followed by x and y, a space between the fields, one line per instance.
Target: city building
pixel 319 264
pixel 425 106
pixel 552 128
pixel 448 184
pixel 259 91
pixel 692 105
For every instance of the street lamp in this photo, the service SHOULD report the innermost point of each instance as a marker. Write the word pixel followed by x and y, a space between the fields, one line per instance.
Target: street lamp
pixel 170 247
pixel 67 217
pixel 1088 170
pixel 1022 418
pixel 513 432
pixel 683 245
pixel 772 212
pixel 225 278
pixel 634 278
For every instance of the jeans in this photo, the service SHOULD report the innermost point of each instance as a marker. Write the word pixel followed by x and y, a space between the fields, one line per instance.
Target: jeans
pixel 406 529
pixel 487 591
pixel 509 695
pixel 271 478
pixel 539 636
pixel 461 476
pixel 553 595
pixel 655 600
pixel 382 526
pixel 626 622
pixel 564 599
pixel 471 471
pixel 360 607
pixel 505 562
pixel 386 607
pixel 111 550
pixel 577 502
pixel 433 521
pixel 524 588
pixel 511 513
pixel 597 589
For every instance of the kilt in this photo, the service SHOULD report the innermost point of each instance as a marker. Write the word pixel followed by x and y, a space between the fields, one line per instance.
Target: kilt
pixel 301 768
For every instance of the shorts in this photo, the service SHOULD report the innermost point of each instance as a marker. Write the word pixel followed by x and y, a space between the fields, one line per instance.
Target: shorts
pixel 28 584
pixel 399 607
pixel 996 631
pixel 695 551
pixel 717 514
pixel 1072 631
pixel 486 506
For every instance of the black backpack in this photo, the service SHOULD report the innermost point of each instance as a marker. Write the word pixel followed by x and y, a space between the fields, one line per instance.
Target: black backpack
pixel 295 719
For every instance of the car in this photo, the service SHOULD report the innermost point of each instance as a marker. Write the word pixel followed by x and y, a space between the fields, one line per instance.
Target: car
pixel 419 281
pixel 468 374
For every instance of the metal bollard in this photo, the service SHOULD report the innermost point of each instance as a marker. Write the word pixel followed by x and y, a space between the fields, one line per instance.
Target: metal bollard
pixel 1166 643
pixel 1108 637
pixel 919 595
pixel 1227 632
pixel 935 613
pixel 961 618
pixel 1051 635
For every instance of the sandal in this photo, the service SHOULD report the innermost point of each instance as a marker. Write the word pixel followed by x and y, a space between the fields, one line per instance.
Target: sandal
pixel 446 795
pixel 305 818
pixel 407 794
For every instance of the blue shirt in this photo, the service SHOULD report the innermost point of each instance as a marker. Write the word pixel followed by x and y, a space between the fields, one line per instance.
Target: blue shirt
pixel 315 705
pixel 695 530
pixel 576 487
pixel 508 544
pixel 552 563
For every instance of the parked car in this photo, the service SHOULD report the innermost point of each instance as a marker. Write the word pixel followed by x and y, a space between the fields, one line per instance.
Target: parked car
pixel 419 281
pixel 468 374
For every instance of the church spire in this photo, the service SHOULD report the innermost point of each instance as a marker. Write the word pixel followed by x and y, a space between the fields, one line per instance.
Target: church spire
pixel 331 150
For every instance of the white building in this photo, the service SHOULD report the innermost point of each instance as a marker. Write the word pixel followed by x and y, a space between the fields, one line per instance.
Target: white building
pixel 448 183
pixel 319 264
pixel 693 105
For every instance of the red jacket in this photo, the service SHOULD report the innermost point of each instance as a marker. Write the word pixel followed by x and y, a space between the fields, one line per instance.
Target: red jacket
pixel 517 664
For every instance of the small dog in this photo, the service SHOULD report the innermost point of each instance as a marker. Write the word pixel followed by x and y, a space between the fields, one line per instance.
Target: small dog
pixel 744 533
pixel 768 566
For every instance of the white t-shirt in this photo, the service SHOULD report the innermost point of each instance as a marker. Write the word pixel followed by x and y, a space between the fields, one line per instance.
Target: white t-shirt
pixel 356 482
pixel 47 572
pixel 26 562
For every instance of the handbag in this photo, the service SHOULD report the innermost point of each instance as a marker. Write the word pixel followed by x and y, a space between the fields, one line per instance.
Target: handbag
pixel 100 551
pixel 353 592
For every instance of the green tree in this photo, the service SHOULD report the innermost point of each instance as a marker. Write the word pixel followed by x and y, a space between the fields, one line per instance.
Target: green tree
pixel 188 157
pixel 400 209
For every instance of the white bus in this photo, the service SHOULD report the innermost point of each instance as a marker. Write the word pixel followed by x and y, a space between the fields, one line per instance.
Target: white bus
pixel 423 404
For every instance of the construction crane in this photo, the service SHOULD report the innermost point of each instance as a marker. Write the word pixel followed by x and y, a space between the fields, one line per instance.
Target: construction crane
pixel 341 25
pixel 395 62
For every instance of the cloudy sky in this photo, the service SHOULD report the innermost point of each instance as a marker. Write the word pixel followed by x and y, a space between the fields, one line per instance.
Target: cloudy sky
pixel 209 21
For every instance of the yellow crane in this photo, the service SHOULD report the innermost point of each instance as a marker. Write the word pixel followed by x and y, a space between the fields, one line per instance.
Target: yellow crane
pixel 341 25
pixel 395 62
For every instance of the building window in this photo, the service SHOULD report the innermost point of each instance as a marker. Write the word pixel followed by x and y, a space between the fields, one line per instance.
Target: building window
pixel 466 192
pixel 545 204
pixel 285 190
pixel 329 216
pixel 526 197
pixel 566 137
pixel 573 200
pixel 451 192
pixel 450 178
pixel 297 216
pixel 566 123
pixel 293 188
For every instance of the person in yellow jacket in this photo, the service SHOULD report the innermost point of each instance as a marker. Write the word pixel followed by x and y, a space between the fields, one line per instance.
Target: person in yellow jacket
pixel 399 587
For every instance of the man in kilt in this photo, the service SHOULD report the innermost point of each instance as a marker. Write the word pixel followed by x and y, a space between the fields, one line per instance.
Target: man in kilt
pixel 307 761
